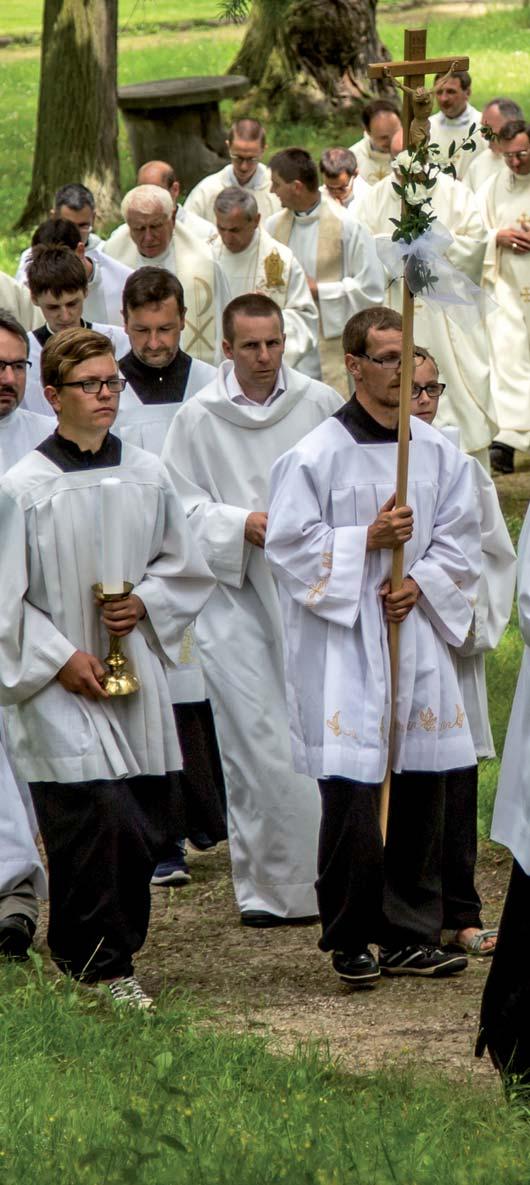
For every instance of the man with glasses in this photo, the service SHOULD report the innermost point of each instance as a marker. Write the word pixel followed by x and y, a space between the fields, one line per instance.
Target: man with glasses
pixel 504 202
pixel 99 767
pixel 342 183
pixel 246 145
pixel 461 901
pixel 22 877
pixel 332 529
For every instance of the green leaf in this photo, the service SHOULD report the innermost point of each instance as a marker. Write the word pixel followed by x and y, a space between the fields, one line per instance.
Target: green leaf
pixel 472 129
pixel 163 1061
pixel 398 189
pixel 396 236
pixel 173 1142
pixel 452 148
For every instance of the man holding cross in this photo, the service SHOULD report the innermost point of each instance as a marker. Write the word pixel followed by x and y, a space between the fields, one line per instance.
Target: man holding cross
pixel 332 530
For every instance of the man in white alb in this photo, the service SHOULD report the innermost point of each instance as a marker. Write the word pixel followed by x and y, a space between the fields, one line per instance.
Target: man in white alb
pixel 159 172
pixel 454 119
pixel 338 256
pixel 341 181
pixel 152 235
pixel 219 451
pixel 105 276
pixel 486 164
pixel 381 122
pixel 252 261
pixel 246 145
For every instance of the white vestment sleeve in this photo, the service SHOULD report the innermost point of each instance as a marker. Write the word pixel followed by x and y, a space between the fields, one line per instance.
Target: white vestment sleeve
pixel 32 649
pixel 221 299
pixel 362 286
pixel 321 567
pixel 448 573
pixel 177 581
pixel 219 530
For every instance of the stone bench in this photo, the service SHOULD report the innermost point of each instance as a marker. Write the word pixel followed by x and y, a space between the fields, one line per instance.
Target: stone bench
pixel 178 120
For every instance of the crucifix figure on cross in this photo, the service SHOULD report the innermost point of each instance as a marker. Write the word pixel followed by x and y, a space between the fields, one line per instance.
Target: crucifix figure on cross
pixel 412 69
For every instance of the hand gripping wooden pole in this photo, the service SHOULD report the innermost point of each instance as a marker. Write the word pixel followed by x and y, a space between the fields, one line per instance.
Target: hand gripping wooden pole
pixel 413 70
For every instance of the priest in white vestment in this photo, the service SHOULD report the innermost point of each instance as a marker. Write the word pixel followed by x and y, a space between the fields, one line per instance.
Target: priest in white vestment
pixel 105 276
pixel 462 904
pixel 504 1028
pixel 338 257
pixel 454 120
pixel 504 203
pixel 15 298
pixel 246 145
pixel 381 123
pixel 457 342
pixel 154 236
pixel 219 451
pixel 252 261
pixel 57 282
pixel 342 182
pixel 159 172
pixel 98 765
pixel 22 877
pixel 331 533
pixel 487 164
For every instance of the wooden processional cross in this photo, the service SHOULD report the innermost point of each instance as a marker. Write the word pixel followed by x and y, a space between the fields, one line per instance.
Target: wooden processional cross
pixel 413 70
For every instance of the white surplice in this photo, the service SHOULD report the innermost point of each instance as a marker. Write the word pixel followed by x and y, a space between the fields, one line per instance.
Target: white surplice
pixel 511 816
pixel 482 167
pixel 493 606
pixel 20 432
pixel 34 398
pixel 361 285
pixel 246 271
pixel 219 454
pixel 458 345
pixel 504 201
pixel 202 198
pixel 50 525
pixel 324 494
pixel 372 165
pixel 445 131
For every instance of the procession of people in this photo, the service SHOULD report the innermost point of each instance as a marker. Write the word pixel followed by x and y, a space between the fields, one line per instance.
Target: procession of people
pixel 198 447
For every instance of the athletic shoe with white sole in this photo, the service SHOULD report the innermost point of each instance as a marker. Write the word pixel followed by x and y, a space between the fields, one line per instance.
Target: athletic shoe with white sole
pixel 427 961
pixel 128 993
pixel 172 872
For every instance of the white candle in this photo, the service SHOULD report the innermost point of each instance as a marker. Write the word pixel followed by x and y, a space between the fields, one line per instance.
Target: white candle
pixel 111 535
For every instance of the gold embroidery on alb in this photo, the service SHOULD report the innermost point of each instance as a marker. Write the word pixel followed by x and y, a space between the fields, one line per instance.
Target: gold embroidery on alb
pixel 274 267
pixel 327 559
pixel 316 590
pixel 428 720
pixel 334 724
pixel 186 647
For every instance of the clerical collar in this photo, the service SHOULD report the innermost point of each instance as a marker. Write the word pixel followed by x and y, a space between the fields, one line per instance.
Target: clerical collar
pixel 308 213
pixel 67 455
pixel 457 121
pixel 235 393
pixel 362 426
pixel 43 333
pixel 157 384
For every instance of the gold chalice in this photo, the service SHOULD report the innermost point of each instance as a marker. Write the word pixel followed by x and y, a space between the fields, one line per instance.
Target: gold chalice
pixel 118 680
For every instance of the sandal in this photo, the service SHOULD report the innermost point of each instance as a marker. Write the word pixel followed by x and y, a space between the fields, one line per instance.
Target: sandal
pixel 474 945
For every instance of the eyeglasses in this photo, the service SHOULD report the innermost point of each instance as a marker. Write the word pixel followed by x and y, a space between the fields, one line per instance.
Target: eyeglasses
pixel 244 160
pixel 94 386
pixel 391 361
pixel 18 367
pixel 520 155
pixel 433 390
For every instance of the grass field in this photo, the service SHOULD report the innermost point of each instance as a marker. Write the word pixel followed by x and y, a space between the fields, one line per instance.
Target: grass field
pixel 91 1097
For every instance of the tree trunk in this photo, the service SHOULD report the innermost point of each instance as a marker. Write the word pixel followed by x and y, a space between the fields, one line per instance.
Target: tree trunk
pixel 311 63
pixel 77 123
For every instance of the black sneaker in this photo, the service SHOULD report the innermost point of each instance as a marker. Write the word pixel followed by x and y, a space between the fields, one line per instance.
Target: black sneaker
pixel 501 457
pixel 360 970
pixel 427 961
pixel 16 934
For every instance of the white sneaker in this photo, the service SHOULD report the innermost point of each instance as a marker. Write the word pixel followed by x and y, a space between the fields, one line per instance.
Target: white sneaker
pixel 127 991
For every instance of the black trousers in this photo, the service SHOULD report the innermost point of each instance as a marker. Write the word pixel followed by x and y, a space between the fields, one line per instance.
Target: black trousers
pixel 103 840
pixel 505 1012
pixel 462 904
pixel 392 897
pixel 201 779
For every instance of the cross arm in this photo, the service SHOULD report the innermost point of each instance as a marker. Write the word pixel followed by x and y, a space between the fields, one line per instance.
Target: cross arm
pixel 404 69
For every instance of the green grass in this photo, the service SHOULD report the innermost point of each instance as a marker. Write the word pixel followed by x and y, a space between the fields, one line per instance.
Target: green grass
pixel 92 1097
pixel 22 18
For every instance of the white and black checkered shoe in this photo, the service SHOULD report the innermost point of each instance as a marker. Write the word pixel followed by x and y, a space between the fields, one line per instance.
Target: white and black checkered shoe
pixel 127 992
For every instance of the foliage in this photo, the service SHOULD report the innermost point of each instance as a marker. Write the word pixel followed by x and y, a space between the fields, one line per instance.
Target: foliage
pixel 90 1095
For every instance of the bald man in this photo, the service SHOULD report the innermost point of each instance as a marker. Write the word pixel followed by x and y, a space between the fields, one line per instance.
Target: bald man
pixel 159 172
pixel 246 145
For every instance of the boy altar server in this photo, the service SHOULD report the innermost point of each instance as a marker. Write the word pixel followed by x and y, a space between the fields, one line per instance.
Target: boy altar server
pixel 97 765
pixel 219 451
pixel 331 533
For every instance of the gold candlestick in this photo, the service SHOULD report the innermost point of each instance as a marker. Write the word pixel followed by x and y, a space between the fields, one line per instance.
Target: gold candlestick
pixel 118 680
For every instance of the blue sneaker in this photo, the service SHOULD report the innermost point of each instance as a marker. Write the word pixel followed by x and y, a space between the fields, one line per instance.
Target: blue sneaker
pixel 172 872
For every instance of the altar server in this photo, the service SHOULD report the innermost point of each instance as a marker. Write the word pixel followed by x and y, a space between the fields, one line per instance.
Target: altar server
pixel 152 235
pixel 252 261
pixel 219 451
pixel 98 766
pixel 331 532
pixel 105 276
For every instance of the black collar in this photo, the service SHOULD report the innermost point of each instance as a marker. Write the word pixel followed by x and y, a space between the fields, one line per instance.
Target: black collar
pixel 43 334
pixel 157 384
pixel 362 426
pixel 67 455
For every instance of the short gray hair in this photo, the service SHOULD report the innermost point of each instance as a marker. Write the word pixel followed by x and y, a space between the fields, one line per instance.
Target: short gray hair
pixel 232 198
pixel 11 325
pixel 147 199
